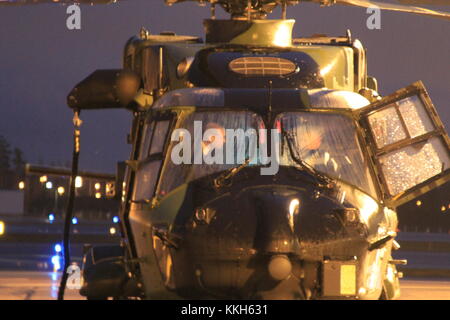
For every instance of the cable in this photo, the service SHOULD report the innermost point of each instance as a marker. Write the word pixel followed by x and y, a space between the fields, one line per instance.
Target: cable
pixel 69 213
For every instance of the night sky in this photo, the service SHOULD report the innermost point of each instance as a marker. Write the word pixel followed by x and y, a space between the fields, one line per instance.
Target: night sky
pixel 41 60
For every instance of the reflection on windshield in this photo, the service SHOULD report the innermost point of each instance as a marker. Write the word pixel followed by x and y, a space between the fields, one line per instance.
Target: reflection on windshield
pixel 199 97
pixel 328 143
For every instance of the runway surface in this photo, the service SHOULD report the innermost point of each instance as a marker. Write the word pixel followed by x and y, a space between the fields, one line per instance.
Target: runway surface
pixel 25 285
pixel 425 289
pixel 32 285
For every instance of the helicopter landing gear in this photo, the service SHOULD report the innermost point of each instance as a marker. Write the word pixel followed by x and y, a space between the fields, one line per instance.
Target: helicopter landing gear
pixel 105 275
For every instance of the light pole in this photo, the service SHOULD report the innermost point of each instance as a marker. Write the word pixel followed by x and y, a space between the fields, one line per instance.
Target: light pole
pixel 58 192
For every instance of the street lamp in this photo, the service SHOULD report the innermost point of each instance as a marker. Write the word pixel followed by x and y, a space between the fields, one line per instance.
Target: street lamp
pixel 78 182
pixel 49 185
pixel 58 192
pixel 21 185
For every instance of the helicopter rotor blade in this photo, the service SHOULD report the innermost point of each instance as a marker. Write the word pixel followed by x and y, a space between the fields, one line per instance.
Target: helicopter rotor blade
pixel 28 2
pixel 426 2
pixel 266 6
pixel 233 5
pixel 396 7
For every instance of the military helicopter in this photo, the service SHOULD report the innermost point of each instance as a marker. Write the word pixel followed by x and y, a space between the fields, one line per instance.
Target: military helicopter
pixel 322 224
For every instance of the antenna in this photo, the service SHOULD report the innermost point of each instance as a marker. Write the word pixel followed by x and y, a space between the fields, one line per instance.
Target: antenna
pixel 213 10
pixel 283 10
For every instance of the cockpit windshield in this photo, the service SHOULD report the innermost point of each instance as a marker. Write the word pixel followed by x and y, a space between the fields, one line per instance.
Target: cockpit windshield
pixel 326 142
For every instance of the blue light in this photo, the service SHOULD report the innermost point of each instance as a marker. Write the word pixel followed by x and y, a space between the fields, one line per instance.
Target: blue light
pixel 51 217
pixel 74 220
pixel 116 219
pixel 58 248
pixel 56 263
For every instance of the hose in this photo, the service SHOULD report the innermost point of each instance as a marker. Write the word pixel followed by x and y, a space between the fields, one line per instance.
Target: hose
pixel 69 212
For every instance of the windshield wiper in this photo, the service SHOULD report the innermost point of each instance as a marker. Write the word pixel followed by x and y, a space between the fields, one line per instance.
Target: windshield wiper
pixel 224 178
pixel 303 164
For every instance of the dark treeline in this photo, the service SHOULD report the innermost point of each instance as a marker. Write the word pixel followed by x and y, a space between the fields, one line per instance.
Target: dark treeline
pixel 10 158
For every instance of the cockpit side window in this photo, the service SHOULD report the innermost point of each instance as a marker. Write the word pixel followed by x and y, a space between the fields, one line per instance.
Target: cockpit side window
pixel 408 142
pixel 159 137
pixel 148 132
pixel 150 158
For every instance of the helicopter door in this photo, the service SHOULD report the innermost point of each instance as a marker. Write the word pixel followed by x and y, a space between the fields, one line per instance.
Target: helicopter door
pixel 408 144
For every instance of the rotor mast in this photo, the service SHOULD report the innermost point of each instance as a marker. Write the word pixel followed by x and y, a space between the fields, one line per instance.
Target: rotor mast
pixel 248 24
pixel 244 9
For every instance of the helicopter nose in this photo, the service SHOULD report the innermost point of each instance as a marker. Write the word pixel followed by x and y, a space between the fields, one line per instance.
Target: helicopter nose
pixel 274 219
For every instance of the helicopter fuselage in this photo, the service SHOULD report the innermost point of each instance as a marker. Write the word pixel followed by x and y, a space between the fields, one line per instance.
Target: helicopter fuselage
pixel 245 227
pixel 323 225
